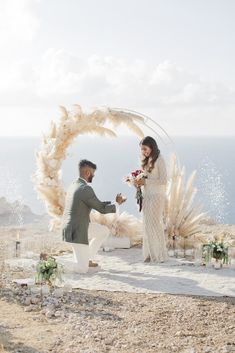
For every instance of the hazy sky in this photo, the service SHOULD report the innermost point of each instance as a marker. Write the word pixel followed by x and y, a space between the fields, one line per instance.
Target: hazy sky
pixel 170 59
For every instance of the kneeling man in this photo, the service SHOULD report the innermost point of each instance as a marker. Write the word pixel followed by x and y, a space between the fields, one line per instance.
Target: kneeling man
pixel 80 200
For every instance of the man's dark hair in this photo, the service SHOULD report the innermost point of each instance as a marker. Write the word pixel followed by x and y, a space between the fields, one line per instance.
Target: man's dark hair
pixel 85 163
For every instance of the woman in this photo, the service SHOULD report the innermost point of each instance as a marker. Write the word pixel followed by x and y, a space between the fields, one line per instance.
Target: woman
pixel 154 243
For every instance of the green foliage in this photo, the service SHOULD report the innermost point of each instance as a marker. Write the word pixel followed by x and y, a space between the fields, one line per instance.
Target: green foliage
pixel 218 249
pixel 48 270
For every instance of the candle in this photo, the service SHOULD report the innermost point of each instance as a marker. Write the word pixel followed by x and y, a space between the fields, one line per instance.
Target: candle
pixel 17 249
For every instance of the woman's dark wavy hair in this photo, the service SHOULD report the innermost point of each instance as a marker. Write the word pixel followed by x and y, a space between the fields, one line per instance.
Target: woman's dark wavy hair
pixel 150 161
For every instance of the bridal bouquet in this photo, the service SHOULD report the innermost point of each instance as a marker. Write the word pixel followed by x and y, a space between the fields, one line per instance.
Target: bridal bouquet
pixel 132 179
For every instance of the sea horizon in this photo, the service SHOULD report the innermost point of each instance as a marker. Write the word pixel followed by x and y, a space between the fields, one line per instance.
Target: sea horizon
pixel 211 158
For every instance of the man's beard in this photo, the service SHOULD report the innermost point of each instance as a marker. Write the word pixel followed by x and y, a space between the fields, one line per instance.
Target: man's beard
pixel 90 179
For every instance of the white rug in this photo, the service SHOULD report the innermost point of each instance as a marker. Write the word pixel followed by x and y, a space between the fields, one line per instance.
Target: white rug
pixel 123 270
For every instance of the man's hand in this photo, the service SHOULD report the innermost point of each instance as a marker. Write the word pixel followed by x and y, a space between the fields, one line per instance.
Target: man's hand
pixel 120 199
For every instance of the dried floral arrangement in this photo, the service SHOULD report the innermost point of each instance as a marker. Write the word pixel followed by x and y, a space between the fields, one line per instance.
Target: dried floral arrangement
pixel 182 216
pixel 48 179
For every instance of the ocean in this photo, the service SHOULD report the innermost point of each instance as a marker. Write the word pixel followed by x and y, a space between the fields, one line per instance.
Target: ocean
pixel 212 157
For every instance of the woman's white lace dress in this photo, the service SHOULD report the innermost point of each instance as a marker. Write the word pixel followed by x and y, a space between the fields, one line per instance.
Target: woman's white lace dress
pixel 154 242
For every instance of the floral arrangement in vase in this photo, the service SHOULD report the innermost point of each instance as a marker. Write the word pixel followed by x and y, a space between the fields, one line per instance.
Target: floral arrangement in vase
pixel 48 270
pixel 217 250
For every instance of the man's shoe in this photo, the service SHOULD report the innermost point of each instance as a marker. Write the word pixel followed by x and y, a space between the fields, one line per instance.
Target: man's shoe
pixel 147 259
pixel 92 264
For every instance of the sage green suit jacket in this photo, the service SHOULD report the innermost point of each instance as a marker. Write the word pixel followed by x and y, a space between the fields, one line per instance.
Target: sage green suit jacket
pixel 80 200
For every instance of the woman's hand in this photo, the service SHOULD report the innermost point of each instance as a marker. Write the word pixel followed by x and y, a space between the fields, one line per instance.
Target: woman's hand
pixel 140 183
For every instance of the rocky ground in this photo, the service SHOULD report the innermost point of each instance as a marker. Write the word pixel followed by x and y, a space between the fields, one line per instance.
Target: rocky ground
pixel 85 321
pixel 97 321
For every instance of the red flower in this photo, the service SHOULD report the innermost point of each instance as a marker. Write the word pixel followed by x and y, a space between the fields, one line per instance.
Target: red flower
pixel 136 173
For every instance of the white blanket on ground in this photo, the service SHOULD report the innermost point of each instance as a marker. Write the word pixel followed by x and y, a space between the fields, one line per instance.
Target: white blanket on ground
pixel 123 270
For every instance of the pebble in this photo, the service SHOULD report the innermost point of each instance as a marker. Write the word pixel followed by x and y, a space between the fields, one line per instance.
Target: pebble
pixel 49 314
pixel 109 342
pixel 132 323
pixel 27 301
pixel 58 313
pixel 35 300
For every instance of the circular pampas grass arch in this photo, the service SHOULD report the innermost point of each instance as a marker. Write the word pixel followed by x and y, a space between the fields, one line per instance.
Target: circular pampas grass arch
pixel 53 152
pixel 182 216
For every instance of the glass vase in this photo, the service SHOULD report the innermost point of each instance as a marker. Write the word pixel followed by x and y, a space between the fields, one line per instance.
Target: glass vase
pixel 218 264
pixel 207 255
pixel 198 256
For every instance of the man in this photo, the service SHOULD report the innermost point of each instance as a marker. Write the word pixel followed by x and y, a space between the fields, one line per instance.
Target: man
pixel 80 200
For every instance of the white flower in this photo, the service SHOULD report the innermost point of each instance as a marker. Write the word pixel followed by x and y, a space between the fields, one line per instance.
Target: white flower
pixel 140 176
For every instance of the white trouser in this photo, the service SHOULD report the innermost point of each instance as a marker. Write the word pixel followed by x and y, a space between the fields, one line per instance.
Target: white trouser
pixel 97 234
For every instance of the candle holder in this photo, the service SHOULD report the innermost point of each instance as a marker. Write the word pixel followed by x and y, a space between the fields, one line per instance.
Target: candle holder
pixel 197 256
pixel 231 257
pixel 173 246
pixel 207 255
pixel 17 250
pixel 17 245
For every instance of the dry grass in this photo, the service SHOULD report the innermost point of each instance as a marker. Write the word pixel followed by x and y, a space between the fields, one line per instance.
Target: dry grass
pixel 47 179
pixel 182 214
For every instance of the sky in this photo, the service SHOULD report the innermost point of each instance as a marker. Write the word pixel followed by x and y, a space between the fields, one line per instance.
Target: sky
pixel 171 60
